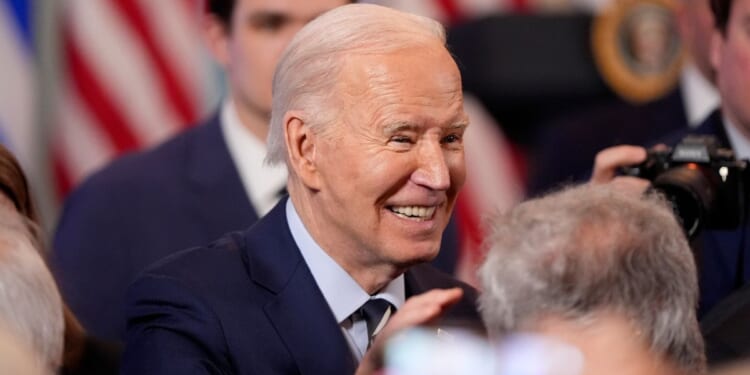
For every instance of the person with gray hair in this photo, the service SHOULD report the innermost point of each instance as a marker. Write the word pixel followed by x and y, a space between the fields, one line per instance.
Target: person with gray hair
pixel 368 116
pixel 31 308
pixel 590 251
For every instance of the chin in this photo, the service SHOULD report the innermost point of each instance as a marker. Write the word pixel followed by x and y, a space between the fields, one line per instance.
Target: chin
pixel 420 253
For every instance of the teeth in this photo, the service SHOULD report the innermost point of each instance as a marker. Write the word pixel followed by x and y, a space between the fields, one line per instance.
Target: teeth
pixel 415 212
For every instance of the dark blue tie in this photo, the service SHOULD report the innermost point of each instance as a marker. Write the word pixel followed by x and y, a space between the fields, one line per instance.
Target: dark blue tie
pixel 376 313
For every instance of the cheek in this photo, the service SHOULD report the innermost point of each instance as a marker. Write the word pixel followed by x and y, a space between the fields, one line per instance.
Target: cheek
pixel 457 167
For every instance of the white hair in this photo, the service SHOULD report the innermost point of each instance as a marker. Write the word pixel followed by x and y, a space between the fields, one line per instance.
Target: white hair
pixel 588 249
pixel 30 304
pixel 306 76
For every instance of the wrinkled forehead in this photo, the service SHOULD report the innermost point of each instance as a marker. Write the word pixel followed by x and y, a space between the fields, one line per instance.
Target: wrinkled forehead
pixel 420 72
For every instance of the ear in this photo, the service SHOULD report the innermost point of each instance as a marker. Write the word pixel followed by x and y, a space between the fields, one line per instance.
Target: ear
pixel 301 147
pixel 717 48
pixel 217 34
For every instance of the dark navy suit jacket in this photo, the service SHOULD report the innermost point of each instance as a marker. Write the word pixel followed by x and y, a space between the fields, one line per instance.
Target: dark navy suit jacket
pixel 722 255
pixel 139 209
pixel 565 149
pixel 247 304
pixel 724 272
pixel 184 193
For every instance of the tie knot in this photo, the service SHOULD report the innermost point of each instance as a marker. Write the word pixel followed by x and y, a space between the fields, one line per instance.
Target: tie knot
pixel 376 313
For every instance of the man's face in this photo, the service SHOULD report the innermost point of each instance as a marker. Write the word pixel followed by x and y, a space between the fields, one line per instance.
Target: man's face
pixel 258 33
pixel 731 59
pixel 391 166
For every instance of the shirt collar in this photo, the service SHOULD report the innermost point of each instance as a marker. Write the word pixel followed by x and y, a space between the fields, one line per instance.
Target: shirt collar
pixel 248 154
pixel 740 144
pixel 342 293
pixel 699 96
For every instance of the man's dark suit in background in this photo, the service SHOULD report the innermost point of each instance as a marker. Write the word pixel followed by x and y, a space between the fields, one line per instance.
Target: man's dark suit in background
pixel 723 258
pixel 567 146
pixel 261 313
pixel 723 262
pixel 141 208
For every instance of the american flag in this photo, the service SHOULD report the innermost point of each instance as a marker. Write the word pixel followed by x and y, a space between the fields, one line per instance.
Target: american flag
pixel 134 73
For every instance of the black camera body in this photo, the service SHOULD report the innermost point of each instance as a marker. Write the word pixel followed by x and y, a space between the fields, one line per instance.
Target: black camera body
pixel 704 182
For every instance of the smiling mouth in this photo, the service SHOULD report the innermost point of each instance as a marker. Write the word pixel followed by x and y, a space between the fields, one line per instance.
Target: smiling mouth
pixel 417 213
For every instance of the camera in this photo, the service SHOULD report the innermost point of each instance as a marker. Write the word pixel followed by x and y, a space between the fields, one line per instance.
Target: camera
pixel 704 182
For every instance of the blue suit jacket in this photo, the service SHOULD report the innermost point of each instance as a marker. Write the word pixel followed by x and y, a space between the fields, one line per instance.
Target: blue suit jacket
pixel 565 149
pixel 247 304
pixel 723 256
pixel 139 209
pixel 184 193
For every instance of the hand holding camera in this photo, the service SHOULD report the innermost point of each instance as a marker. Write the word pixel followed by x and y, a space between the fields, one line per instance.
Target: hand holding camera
pixel 704 181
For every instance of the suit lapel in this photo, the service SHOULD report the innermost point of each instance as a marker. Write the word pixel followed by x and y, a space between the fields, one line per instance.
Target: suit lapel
pixel 298 309
pixel 216 183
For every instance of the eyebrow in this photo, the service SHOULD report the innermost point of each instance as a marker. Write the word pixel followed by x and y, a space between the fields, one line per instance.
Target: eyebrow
pixel 401 126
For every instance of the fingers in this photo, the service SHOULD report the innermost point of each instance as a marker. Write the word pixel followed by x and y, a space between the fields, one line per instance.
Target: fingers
pixel 610 159
pixel 422 309
pixel 633 185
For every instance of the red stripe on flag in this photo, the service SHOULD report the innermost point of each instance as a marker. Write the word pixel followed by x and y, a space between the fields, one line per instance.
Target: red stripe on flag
pixel 451 9
pixel 521 6
pixel 96 99
pixel 173 88
pixel 469 227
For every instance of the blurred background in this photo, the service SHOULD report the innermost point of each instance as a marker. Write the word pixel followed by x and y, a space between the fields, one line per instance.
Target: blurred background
pixel 83 81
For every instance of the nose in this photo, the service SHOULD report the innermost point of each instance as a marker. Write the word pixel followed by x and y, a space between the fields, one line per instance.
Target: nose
pixel 432 170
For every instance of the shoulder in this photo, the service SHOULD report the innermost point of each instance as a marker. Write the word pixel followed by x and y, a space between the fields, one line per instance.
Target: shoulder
pixel 213 266
pixel 424 277
pixel 160 162
pixel 139 178
pixel 712 125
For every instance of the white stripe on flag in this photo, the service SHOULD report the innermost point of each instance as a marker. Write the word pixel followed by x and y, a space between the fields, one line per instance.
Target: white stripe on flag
pixel 179 37
pixel 121 65
pixel 82 145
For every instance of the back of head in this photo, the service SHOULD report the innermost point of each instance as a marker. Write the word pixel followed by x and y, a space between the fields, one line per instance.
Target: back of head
pixel 30 304
pixel 587 250
pixel 306 76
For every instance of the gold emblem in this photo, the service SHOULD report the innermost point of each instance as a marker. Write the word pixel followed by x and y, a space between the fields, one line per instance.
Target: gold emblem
pixel 637 48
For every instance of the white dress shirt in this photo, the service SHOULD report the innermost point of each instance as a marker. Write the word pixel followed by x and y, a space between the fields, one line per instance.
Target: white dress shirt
pixel 699 96
pixel 262 182
pixel 740 144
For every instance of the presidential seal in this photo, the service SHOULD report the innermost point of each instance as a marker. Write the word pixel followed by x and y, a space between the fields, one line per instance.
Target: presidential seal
pixel 637 48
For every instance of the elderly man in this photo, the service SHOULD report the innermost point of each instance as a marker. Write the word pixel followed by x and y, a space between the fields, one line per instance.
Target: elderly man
pixel 368 117
pixel 587 253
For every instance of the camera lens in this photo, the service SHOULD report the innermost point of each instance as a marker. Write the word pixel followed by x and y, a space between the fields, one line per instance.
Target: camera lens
pixel 691 192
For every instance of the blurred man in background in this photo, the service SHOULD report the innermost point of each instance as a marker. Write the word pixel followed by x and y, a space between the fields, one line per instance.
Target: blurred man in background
pixel 564 150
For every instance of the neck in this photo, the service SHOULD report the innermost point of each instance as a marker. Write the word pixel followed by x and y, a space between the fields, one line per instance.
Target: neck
pixel 252 117
pixel 370 273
